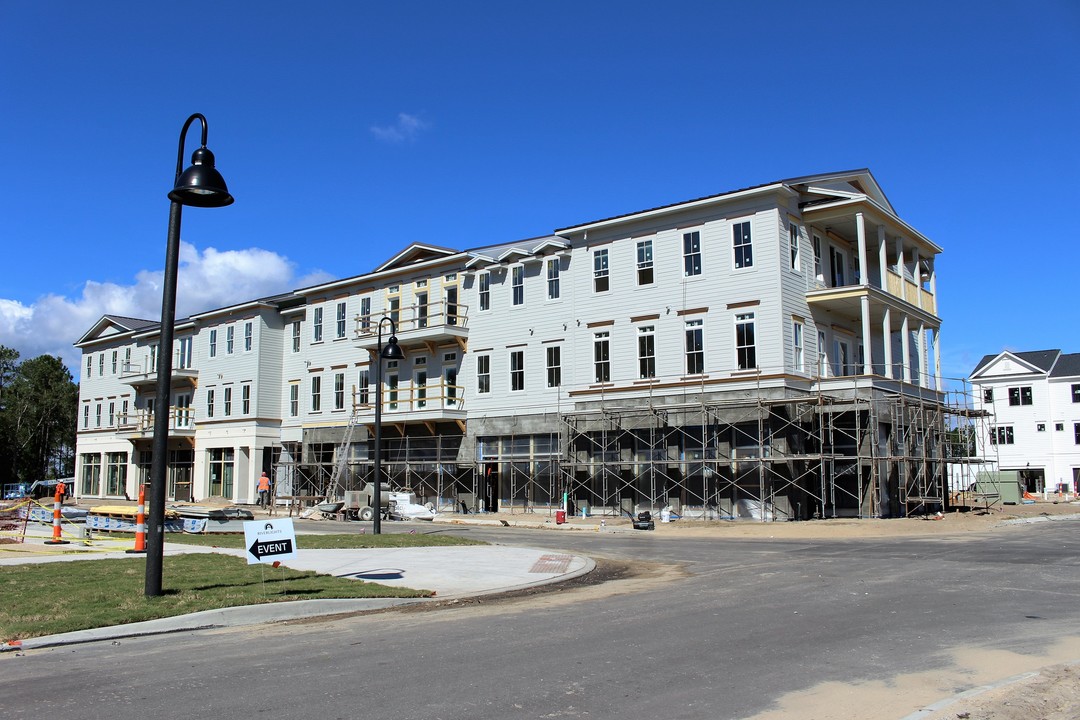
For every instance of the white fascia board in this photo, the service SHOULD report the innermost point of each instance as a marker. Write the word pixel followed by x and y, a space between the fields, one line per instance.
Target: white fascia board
pixel 679 207
pixel 477 260
pixel 558 245
pixel 909 231
pixel 373 277
pixel 252 305
pixel 512 252
pixel 1030 369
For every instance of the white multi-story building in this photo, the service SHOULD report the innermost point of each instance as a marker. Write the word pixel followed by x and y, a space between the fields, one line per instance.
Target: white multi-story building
pixel 776 345
pixel 1032 402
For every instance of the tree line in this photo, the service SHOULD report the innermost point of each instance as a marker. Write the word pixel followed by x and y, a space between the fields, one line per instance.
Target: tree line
pixel 39 404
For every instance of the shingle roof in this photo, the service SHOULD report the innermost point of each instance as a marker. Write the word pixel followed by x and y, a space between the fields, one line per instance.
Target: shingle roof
pixel 1067 366
pixel 132 323
pixel 1042 359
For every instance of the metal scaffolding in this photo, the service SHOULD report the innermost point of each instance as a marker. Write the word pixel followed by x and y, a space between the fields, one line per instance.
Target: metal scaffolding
pixel 871 453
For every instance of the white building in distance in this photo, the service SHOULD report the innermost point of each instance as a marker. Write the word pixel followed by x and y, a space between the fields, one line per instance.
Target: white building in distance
pixel 1032 400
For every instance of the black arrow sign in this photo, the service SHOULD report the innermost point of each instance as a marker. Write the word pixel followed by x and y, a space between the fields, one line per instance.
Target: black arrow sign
pixel 265 548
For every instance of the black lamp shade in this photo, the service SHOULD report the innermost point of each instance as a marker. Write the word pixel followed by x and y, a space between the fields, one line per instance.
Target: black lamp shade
pixel 393 351
pixel 201 185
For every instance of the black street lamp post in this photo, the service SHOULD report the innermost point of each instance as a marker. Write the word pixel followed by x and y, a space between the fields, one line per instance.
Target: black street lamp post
pixel 199 186
pixel 392 351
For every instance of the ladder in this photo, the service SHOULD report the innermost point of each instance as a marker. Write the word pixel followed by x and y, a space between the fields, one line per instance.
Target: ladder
pixel 336 487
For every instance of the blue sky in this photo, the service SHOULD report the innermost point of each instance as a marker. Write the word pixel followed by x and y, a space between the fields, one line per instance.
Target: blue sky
pixel 347 130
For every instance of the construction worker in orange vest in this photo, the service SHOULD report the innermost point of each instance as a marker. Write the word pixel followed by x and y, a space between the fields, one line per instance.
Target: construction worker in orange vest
pixel 61 490
pixel 264 490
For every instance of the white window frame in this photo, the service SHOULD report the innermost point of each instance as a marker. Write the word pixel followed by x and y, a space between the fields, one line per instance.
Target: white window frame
pixel 742 244
pixel 517 285
pixel 601 271
pixel 245 399
pixel 694 346
pixel 602 356
pixel 316 325
pixel 745 347
pixel 316 393
pixel 483 289
pixel 226 402
pixel 365 313
pixel 646 274
pixel 553 271
pixel 339 391
pixel 294 399
pixel 517 370
pixel 553 365
pixel 230 339
pixel 798 344
pixel 296 336
pixel 249 333
pixel 692 254
pixel 339 326
pixel 646 352
pixel 210 402
pixel 483 374
pixel 793 246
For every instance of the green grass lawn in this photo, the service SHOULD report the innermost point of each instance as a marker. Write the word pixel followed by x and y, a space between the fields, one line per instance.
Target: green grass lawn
pixel 50 598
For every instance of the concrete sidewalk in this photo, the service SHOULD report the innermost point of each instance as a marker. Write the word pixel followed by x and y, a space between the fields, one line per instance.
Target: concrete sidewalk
pixel 450 572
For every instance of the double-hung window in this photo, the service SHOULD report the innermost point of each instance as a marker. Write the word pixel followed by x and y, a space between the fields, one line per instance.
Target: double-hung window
pixel 339 391
pixel 602 357
pixel 1002 435
pixel 647 351
pixel 554 365
pixel 793 245
pixel 245 398
pixel 517 281
pixel 316 325
pixel 294 399
pixel 691 243
pixel 553 278
pixel 483 374
pixel 339 327
pixel 365 313
pixel 230 338
pixel 483 281
pixel 517 370
pixel 227 404
pixel 745 348
pixel 644 262
pixel 742 244
pixel 296 336
pixel 316 393
pixel 363 384
pixel 797 342
pixel 210 403
pixel 695 347
pixel 249 329
pixel 600 271
pixel 1076 393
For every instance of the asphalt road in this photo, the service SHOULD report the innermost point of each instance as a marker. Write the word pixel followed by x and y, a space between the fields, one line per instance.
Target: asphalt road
pixel 715 629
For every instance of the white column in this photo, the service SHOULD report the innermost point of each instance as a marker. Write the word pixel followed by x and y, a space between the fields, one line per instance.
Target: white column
pixel 905 349
pixel 922 355
pixel 886 333
pixel 882 256
pixel 938 385
pixel 867 339
pixel 864 269
pixel 933 285
pixel 916 276
pixel 900 256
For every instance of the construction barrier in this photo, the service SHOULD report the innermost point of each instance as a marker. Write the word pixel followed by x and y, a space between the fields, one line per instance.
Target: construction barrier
pixel 57 532
pixel 140 523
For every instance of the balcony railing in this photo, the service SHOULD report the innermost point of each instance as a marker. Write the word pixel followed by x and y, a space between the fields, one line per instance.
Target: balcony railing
pixel 141 423
pixel 416 322
pixel 436 399
pixel 145 372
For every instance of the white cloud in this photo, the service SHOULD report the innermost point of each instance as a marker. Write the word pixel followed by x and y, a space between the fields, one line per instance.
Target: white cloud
pixel 206 280
pixel 407 127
